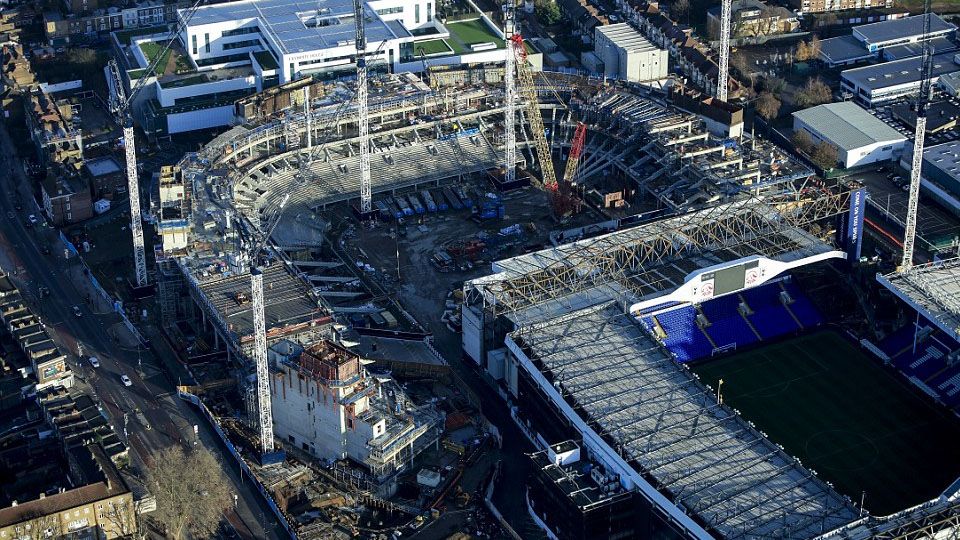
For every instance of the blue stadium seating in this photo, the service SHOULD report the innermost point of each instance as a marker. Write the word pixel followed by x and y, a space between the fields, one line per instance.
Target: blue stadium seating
pixel 802 307
pixel 928 362
pixel 898 342
pixel 684 338
pixel 769 316
pixel 727 326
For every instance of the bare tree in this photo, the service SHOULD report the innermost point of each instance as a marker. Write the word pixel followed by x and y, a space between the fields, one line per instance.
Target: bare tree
pixel 124 520
pixel 808 50
pixel 802 141
pixel 191 492
pixel 768 106
pixel 813 46
pixel 40 527
pixel 824 155
pixel 815 92
pixel 828 19
pixel 740 62
pixel 680 8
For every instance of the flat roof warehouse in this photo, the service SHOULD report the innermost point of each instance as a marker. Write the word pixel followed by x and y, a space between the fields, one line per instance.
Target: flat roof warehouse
pixel 847 125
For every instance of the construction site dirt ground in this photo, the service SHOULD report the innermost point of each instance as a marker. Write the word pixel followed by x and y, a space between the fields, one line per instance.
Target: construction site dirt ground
pixel 111 250
pixel 422 288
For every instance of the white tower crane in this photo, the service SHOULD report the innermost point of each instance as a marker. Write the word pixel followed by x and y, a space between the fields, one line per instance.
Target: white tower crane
pixel 120 106
pixel 724 74
pixel 510 94
pixel 264 405
pixel 362 118
pixel 923 101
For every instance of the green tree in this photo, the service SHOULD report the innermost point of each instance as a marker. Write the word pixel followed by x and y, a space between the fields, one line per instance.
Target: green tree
pixel 774 85
pixel 547 12
pixel 191 492
pixel 681 8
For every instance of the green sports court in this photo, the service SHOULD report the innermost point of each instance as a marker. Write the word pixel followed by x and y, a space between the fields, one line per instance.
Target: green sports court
pixel 845 416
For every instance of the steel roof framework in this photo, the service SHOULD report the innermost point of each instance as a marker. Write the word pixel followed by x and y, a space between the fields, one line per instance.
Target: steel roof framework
pixel 747 227
pixel 657 416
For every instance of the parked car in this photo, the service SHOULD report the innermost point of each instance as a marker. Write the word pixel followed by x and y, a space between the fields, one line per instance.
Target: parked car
pixel 33 219
pixel 94 361
pixel 126 380
pixel 77 312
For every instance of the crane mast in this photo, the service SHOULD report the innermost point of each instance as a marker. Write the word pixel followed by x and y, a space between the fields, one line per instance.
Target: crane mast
pixel 529 92
pixel 264 405
pixel 724 73
pixel 923 101
pixel 510 96
pixel 120 105
pixel 363 126
pixel 576 148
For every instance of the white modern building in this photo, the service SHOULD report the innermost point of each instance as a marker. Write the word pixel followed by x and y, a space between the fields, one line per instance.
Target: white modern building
pixel 627 55
pixel 234 49
pixel 860 137
pixel 326 404
pixel 880 35
pixel 891 81
pixel 895 39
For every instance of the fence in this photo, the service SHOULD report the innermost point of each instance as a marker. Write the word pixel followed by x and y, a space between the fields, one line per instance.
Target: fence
pixel 117 304
pixel 488 502
pixel 244 468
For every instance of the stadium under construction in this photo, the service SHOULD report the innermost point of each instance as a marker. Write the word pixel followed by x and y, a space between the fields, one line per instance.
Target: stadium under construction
pixel 689 254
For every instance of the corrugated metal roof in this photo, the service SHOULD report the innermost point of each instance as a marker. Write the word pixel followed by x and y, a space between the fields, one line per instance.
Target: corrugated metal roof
pixel 843 49
pixel 881 32
pixel 627 37
pixel 847 125
pixel 897 72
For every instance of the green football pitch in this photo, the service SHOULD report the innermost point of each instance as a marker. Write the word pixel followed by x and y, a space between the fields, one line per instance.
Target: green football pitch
pixel 845 417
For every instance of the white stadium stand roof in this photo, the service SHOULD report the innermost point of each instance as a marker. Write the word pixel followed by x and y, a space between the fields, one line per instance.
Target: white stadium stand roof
pixel 651 258
pixel 932 289
pixel 668 425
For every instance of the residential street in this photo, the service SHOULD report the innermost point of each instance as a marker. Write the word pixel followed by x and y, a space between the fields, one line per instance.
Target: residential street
pixel 148 415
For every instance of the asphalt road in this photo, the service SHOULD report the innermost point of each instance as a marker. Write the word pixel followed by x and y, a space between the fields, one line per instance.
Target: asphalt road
pixel 148 415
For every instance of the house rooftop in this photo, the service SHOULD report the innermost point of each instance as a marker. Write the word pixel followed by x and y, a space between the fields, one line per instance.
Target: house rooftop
pixel 102 166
